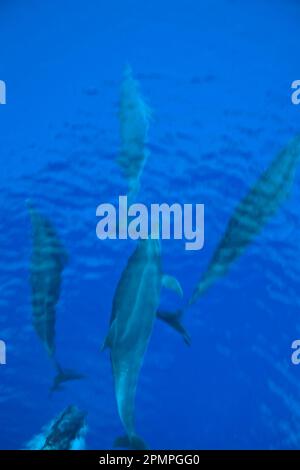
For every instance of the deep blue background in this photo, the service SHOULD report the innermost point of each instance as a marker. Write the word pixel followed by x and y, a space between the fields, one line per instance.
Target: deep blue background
pixel 217 75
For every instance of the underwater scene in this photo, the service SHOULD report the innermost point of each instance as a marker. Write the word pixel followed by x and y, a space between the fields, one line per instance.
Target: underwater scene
pixel 150 224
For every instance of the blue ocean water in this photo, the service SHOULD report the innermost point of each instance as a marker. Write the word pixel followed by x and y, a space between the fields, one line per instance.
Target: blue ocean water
pixel 217 76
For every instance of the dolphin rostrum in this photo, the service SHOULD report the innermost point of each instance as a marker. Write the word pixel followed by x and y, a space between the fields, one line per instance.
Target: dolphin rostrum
pixel 261 202
pixel 134 310
pixel 47 263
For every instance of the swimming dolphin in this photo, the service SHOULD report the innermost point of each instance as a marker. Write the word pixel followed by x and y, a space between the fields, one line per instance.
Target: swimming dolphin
pixel 134 119
pixel 256 208
pixel 134 310
pixel 47 264
pixel 66 432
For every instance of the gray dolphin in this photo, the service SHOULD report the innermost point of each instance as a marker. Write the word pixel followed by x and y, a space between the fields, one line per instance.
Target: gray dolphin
pixel 65 432
pixel 47 264
pixel 134 311
pixel 251 214
pixel 134 119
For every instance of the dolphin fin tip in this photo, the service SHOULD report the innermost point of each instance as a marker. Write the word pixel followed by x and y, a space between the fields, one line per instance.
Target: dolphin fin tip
pixel 174 320
pixel 109 337
pixel 187 339
pixel 173 284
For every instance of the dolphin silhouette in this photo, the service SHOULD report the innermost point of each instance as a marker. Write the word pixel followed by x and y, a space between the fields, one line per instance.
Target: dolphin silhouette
pixel 65 429
pixel 134 117
pixel 47 264
pixel 256 208
pixel 65 432
pixel 134 310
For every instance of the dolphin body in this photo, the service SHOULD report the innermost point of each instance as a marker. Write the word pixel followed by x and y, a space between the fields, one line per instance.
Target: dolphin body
pixel 65 432
pixel 47 264
pixel 134 119
pixel 262 201
pixel 134 311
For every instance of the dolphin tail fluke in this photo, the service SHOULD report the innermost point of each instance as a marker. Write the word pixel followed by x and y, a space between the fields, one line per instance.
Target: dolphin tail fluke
pixel 170 282
pixel 133 442
pixel 64 375
pixel 175 321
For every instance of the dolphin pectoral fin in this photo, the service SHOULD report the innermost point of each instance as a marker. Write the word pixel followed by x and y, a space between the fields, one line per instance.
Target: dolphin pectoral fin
pixel 108 340
pixel 106 343
pixel 174 320
pixel 170 282
pixel 133 443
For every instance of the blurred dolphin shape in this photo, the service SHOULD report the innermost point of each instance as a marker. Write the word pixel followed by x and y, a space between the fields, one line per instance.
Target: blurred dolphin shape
pixel 134 118
pixel 260 203
pixel 174 319
pixel 66 432
pixel 47 264
pixel 134 310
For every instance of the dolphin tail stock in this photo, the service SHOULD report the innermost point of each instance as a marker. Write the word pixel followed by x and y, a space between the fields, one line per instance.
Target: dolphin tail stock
pixel 174 319
pixel 133 442
pixel 134 187
pixel 170 282
pixel 63 375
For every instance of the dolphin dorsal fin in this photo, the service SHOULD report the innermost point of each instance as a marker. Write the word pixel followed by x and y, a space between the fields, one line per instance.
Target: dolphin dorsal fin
pixel 170 282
